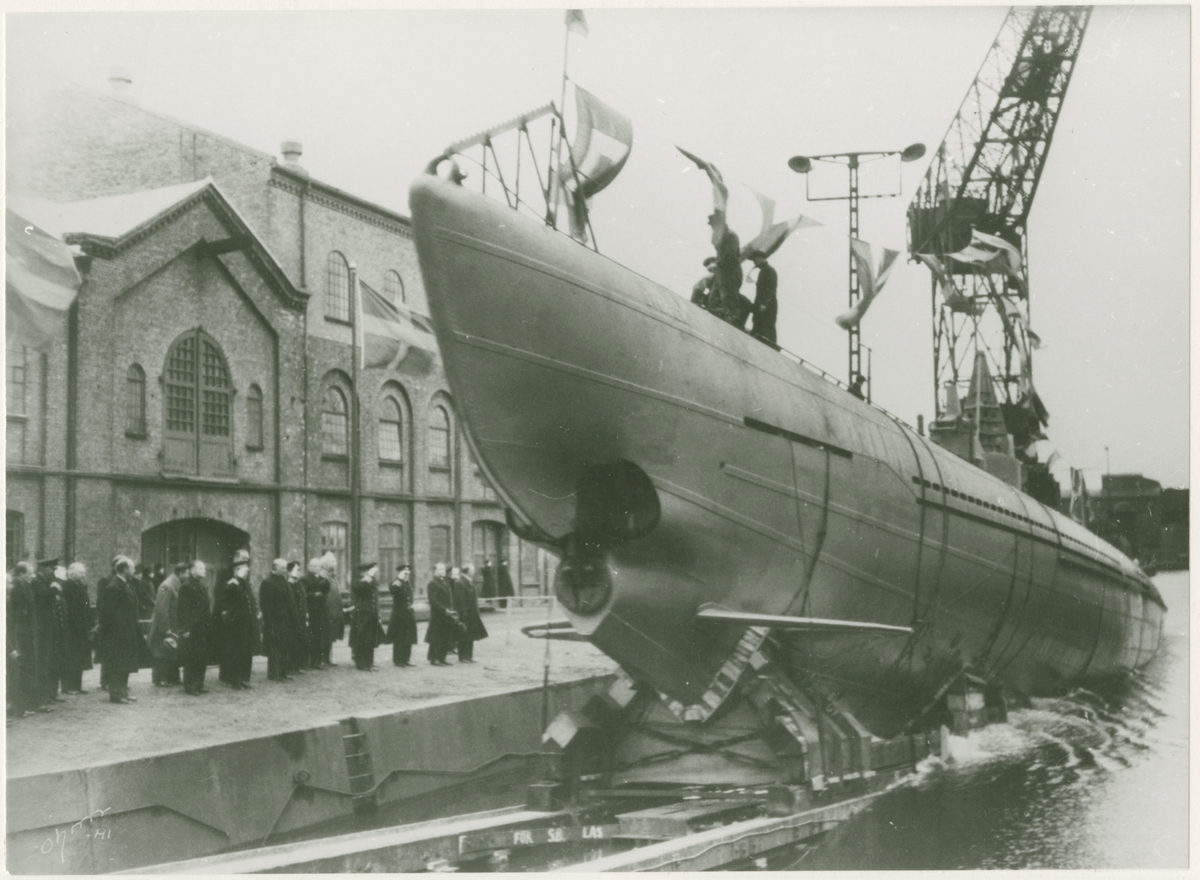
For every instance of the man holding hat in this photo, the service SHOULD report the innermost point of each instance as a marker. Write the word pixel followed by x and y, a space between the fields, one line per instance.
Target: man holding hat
pixel 164 629
pixel 49 631
pixel 364 626
pixel 77 653
pixel 279 620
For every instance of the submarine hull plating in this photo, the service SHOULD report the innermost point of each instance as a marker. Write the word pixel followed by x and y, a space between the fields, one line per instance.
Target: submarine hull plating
pixel 780 492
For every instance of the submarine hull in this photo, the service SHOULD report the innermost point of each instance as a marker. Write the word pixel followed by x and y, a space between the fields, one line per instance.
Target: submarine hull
pixel 780 493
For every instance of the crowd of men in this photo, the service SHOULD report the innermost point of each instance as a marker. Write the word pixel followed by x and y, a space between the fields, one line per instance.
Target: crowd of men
pixel 293 619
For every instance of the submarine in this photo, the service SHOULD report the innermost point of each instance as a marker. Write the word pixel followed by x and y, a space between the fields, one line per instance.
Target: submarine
pixel 708 495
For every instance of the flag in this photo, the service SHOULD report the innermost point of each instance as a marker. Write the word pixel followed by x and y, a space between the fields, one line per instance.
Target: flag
pixel 991 251
pixel 772 234
pixel 576 22
pixel 601 145
pixel 392 337
pixel 870 281
pixel 720 190
pixel 953 298
pixel 40 281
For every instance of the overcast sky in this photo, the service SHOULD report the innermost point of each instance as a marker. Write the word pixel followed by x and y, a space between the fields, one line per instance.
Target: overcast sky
pixel 374 95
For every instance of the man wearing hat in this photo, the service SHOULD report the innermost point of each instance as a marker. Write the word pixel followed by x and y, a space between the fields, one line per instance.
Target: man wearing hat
pixel 20 632
pixel 364 625
pixel 120 638
pixel 164 629
pixel 402 628
pixel 333 604
pixel 766 302
pixel 235 613
pixel 703 288
pixel 49 631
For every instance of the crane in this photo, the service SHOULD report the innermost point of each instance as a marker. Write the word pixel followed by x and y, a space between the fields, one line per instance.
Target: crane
pixel 968 221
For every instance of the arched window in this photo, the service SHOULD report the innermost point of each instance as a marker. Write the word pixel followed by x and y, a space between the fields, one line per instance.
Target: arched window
pixel 439 438
pixel 391 551
pixel 254 418
pixel 135 401
pixel 337 287
pixel 334 422
pixel 198 435
pixel 391 431
pixel 393 287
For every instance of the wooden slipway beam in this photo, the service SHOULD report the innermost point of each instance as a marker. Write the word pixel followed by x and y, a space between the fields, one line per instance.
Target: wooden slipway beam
pixel 729 843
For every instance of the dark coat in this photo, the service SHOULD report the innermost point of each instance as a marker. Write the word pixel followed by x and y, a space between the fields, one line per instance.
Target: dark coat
pixel 466 604
pixel 280 622
pixel 364 625
pixel 300 598
pixel 443 619
pixel 121 644
pixel 317 590
pixel 489 581
pixel 337 617
pixel 77 653
pixel 504 584
pixel 235 615
pixel 195 622
pixel 402 629
pixel 46 627
pixel 146 591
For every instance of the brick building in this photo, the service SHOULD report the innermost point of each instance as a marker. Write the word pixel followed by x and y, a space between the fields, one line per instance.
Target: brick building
pixel 201 397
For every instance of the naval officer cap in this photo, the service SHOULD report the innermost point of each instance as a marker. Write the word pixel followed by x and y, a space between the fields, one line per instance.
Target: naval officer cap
pixel 48 563
pixel 241 556
pixel 364 567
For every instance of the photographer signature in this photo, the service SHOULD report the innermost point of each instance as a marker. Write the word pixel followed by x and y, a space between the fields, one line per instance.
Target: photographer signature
pixel 59 840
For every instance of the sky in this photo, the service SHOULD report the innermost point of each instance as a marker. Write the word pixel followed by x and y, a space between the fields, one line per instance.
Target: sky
pixel 373 96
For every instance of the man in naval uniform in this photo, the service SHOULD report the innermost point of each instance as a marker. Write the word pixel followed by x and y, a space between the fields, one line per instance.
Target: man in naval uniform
pixel 402 628
pixel 235 613
pixel 364 626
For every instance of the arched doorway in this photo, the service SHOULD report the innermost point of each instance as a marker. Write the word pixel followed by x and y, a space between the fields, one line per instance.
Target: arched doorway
pixel 488 547
pixel 184 540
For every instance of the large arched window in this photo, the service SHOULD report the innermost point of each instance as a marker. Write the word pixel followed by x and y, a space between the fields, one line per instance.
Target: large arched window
pixel 391 431
pixel 334 423
pixel 254 418
pixel 439 438
pixel 135 401
pixel 337 287
pixel 393 287
pixel 198 434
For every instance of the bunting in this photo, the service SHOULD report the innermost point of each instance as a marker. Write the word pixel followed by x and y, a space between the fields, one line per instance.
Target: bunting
pixel 773 234
pixel 576 22
pixel 40 281
pixel 391 337
pixel 602 143
pixel 870 280
pixel 951 295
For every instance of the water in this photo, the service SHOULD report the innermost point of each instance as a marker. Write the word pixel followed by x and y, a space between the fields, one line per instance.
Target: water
pixel 1086 781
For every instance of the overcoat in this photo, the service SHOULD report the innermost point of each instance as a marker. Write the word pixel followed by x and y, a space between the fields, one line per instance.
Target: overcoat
pixel 364 625
pixel 195 620
pixel 80 620
pixel 443 619
pixel 122 645
pixel 280 625
pixel 165 618
pixel 402 628
pixel 466 603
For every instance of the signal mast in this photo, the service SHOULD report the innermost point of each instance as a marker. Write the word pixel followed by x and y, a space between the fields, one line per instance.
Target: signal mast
pixel 983 179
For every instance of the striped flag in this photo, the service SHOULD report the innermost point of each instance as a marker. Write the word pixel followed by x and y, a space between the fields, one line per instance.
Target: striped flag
pixel 391 337
pixel 870 280
pixel 40 281
pixel 576 22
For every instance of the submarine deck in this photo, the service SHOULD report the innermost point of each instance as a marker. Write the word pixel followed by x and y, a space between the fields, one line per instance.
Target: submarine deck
pixel 88 730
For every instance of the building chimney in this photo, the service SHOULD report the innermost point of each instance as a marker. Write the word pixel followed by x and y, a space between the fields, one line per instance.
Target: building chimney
pixel 292 151
pixel 120 79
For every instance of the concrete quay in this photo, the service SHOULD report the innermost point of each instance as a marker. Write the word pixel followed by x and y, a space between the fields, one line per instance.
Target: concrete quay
pixel 96 787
